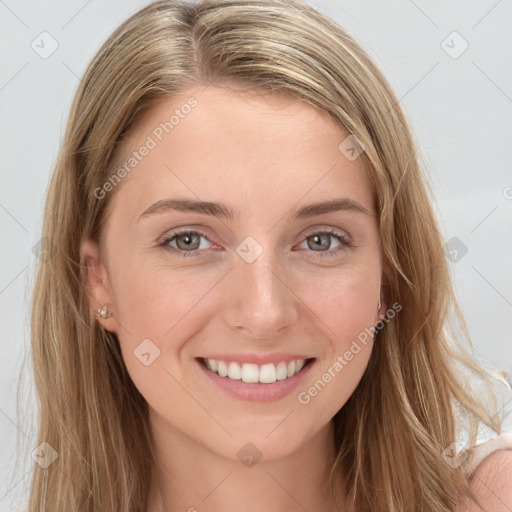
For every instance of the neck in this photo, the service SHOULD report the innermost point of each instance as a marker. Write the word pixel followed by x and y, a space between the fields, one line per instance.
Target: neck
pixel 189 477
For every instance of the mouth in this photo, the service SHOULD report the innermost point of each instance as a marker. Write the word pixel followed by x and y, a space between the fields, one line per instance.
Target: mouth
pixel 266 384
pixel 251 373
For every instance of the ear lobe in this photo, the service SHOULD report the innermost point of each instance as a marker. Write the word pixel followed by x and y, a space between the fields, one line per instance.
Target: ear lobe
pixel 96 282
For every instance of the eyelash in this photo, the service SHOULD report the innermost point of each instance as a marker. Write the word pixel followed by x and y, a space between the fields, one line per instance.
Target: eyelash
pixel 345 241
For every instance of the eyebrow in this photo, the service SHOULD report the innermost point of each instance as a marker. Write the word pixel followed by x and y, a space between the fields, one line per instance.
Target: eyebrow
pixel 229 213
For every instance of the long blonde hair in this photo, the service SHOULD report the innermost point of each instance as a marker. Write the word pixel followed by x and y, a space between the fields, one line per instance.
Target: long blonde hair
pixel 391 433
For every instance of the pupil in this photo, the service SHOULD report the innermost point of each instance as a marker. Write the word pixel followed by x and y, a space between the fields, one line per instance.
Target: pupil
pixel 325 244
pixel 187 240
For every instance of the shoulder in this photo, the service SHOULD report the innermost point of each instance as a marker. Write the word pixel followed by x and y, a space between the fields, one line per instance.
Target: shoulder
pixel 491 483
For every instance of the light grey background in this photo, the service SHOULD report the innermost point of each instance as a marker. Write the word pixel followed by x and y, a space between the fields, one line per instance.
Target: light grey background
pixel 459 109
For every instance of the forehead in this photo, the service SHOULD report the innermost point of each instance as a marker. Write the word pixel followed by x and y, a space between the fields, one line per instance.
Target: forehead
pixel 247 148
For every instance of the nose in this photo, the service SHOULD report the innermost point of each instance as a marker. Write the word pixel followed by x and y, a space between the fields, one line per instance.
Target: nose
pixel 260 302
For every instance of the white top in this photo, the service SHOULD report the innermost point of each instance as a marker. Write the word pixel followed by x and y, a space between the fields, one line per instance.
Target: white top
pixel 479 452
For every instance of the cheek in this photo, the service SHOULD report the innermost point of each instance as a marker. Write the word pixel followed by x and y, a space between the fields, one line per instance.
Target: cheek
pixel 345 302
pixel 346 307
pixel 165 305
pixel 349 313
pixel 155 306
pixel 151 298
pixel 334 382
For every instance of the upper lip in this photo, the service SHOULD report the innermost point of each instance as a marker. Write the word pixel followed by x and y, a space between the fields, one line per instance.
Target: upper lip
pixel 259 359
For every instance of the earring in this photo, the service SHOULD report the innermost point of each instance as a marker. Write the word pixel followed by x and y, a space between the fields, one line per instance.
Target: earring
pixel 103 312
pixel 379 305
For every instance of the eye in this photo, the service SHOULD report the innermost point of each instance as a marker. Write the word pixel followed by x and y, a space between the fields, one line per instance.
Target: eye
pixel 322 240
pixel 188 243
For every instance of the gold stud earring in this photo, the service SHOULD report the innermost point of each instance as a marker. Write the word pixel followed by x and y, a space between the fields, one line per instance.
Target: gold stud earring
pixel 103 312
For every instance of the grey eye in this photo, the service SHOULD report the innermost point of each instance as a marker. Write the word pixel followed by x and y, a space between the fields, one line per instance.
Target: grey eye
pixel 321 241
pixel 188 241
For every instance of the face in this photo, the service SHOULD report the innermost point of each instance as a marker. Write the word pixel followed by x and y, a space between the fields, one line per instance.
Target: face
pixel 240 271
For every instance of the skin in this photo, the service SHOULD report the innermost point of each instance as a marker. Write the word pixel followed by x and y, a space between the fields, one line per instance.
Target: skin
pixel 491 485
pixel 263 154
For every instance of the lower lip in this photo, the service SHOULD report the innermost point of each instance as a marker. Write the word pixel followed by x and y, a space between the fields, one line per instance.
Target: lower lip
pixel 256 392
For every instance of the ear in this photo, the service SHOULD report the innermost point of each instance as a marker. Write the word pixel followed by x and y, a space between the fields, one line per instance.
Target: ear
pixel 383 298
pixel 380 312
pixel 96 282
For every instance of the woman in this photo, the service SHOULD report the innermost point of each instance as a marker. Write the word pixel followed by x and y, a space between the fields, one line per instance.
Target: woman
pixel 247 300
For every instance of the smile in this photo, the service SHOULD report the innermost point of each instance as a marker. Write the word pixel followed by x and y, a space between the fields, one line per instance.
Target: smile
pixel 252 373
pixel 255 377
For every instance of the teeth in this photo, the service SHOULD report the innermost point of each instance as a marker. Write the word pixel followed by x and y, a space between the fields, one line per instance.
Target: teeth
pixel 234 371
pixel 267 373
pixel 281 371
pixel 252 373
pixel 223 369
